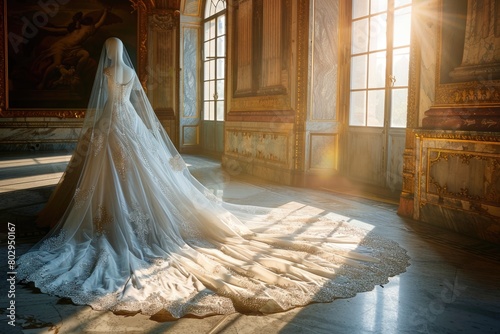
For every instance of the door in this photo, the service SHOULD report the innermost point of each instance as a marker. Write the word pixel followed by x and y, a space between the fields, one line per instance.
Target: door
pixel 214 71
pixel 378 90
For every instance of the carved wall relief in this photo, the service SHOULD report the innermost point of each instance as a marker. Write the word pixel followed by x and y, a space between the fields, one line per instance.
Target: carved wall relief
pixel 464 175
pixel 457 182
pixel 251 144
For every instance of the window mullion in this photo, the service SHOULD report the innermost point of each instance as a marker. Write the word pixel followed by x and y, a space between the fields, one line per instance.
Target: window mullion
pixel 389 63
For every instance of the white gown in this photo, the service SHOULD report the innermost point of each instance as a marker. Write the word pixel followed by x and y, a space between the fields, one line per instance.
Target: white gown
pixel 140 234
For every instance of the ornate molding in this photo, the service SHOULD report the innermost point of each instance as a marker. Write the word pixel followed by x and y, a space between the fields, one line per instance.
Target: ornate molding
pixel 458 135
pixel 143 9
pixel 165 19
pixel 42 113
pixel 271 116
pixel 302 76
pixel 263 103
pixel 474 93
pixel 414 73
pixel 492 163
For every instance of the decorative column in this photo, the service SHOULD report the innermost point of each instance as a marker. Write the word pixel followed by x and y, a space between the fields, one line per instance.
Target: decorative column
pixel 481 57
pixel 471 102
pixel 163 62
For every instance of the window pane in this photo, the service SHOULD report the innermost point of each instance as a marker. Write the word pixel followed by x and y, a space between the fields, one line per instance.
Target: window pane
pixel 358 72
pixel 398 3
pixel 375 108
pixel 221 25
pixel 220 68
pixel 378 30
pixel 220 89
pixel 209 90
pixel 206 51
pixel 378 6
pixel 401 66
pixel 357 112
pixel 359 36
pixel 221 46
pixel 208 111
pixel 402 26
pixel 360 8
pixel 209 70
pixel 399 107
pixel 209 29
pixel 220 110
pixel 210 48
pixel 376 76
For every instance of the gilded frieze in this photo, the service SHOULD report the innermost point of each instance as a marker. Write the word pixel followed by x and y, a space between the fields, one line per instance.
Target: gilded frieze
pixel 254 103
pixel 474 93
pixel 458 135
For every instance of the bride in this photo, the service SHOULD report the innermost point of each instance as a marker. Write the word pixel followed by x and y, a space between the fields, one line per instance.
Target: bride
pixel 133 230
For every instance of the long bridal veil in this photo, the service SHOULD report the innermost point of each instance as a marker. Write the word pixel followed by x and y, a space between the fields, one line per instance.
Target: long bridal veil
pixel 133 230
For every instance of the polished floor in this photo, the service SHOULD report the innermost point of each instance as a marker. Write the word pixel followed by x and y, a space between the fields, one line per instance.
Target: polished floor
pixel 451 286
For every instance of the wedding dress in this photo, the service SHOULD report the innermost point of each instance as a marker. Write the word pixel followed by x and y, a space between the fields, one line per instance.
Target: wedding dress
pixel 137 232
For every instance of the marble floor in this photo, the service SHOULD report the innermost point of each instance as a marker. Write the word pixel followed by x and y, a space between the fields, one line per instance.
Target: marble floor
pixel 451 285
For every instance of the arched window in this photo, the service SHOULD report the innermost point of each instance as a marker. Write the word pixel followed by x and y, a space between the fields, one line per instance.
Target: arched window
pixel 214 6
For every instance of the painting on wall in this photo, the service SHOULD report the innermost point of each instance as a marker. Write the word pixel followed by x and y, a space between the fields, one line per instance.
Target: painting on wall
pixel 54 48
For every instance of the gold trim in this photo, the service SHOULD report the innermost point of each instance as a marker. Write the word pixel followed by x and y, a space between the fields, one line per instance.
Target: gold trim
pixel 465 158
pixel 459 136
pixel 302 76
pixel 414 73
pixel 198 12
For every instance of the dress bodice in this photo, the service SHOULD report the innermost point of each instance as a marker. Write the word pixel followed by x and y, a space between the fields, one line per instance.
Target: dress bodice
pixel 118 92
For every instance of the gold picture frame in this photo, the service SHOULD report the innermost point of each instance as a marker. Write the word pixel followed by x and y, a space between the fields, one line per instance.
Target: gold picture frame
pixel 55 94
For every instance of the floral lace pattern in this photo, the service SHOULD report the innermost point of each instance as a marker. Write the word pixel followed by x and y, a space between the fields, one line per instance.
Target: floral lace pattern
pixel 102 220
pixel 177 163
pixel 140 218
pixel 81 196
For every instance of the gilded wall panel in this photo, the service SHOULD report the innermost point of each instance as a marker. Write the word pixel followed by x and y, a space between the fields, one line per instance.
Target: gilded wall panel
pixel 324 151
pixel 190 135
pixel 244 48
pixel 255 145
pixel 190 73
pixel 457 182
pixel 162 61
pixel 463 175
pixel 324 60
pixel 271 44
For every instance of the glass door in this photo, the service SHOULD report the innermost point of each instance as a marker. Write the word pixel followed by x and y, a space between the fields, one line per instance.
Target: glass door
pixel 214 71
pixel 378 91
